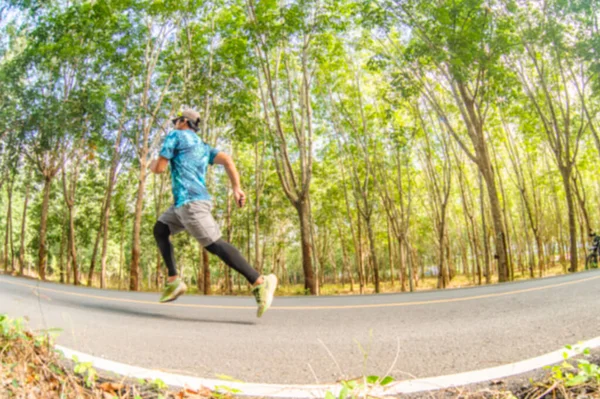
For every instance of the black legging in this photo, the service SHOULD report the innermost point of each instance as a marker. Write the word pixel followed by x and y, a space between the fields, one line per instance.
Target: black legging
pixel 227 252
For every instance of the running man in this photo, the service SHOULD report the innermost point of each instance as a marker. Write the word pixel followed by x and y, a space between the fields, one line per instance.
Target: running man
pixel 189 158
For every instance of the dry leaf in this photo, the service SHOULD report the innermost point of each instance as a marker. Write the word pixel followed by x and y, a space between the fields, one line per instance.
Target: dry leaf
pixel 110 387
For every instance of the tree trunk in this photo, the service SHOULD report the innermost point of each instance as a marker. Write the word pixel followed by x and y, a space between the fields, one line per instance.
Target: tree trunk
pixel 390 252
pixel 305 241
pixel 374 263
pixel 8 259
pixel 566 175
pixel 69 196
pixel 97 241
pixel 501 250
pixel 43 228
pixel 346 265
pixel 412 276
pixel 23 229
pixel 61 260
pixel 72 249
pixel 104 246
pixel 137 228
pixel 442 274
pixel 206 272
pixel 258 190
pixel 486 250
pixel 122 249
pixel 361 260
pixel 229 236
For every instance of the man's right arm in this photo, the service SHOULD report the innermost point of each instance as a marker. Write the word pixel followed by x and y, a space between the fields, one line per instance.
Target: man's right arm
pixel 159 165
pixel 169 147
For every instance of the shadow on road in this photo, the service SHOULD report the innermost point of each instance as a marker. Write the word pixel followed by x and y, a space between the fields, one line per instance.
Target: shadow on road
pixel 139 312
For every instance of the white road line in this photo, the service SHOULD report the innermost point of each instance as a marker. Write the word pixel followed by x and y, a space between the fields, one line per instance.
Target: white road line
pixel 319 391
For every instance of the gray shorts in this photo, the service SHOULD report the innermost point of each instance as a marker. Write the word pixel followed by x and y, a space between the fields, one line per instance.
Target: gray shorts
pixel 195 217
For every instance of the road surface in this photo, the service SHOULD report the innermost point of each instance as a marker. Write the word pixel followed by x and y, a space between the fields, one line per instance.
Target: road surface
pixel 316 339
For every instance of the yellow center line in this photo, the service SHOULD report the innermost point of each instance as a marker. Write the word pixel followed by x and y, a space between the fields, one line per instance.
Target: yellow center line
pixel 321 307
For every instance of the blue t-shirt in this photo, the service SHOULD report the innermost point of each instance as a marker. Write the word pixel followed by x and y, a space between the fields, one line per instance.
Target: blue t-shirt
pixel 189 157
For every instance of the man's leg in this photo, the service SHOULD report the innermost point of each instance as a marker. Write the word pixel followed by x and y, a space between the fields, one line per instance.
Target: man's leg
pixel 161 235
pixel 167 225
pixel 263 286
pixel 199 222
pixel 234 259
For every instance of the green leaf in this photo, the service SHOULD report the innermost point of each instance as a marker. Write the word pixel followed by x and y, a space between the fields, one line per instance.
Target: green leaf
pixel 387 380
pixel 372 379
pixel 329 395
pixel 576 380
pixel 344 393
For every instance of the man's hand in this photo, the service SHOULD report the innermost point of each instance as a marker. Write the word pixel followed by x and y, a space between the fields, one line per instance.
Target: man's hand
pixel 240 197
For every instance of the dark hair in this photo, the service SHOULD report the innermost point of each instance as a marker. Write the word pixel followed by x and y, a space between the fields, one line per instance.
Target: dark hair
pixel 193 125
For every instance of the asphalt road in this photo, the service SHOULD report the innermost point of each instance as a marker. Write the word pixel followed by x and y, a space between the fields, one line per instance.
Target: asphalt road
pixel 317 339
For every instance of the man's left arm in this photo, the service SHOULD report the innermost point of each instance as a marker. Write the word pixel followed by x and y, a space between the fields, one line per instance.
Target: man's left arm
pixel 222 158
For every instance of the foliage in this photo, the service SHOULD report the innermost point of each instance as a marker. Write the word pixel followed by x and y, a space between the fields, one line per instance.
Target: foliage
pixel 30 366
pixel 363 93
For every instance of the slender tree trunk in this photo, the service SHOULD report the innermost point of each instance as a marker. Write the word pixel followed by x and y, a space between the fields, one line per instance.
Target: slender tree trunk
pixel 402 266
pixel 566 175
pixel 97 241
pixel 229 236
pixel 346 265
pixel 413 280
pixel 361 263
pixel 8 235
pixel 72 248
pixel 69 196
pixel 43 227
pixel 104 247
pixel 258 191
pixel 375 264
pixel 390 252
pixel 206 272
pixel 61 259
pixel 488 274
pixel 442 262
pixel 137 228
pixel 122 250
pixel 23 229
pixel 305 242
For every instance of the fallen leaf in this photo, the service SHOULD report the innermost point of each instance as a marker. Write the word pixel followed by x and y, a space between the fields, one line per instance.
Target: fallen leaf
pixel 110 387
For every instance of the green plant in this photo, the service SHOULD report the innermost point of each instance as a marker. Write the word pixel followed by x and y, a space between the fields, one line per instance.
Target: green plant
pixel 354 388
pixel 224 391
pixel 569 375
pixel 158 385
pixel 85 369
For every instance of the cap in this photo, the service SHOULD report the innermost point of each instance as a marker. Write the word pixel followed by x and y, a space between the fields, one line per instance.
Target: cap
pixel 192 116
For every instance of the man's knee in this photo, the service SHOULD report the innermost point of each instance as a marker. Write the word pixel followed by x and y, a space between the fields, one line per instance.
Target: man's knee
pixel 217 247
pixel 161 231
